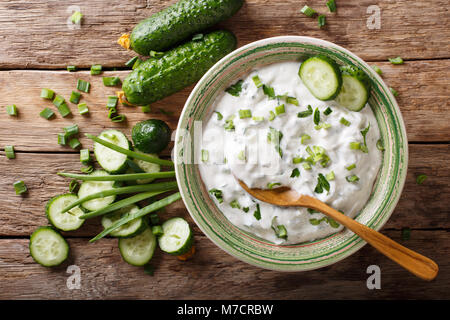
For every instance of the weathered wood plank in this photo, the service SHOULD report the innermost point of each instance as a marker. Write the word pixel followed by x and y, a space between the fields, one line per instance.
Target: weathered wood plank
pixel 422 95
pixel 421 206
pixel 213 274
pixel 38 36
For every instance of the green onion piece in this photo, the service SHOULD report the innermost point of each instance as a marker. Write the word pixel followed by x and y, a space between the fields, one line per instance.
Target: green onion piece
pixel 9 152
pixel 96 69
pixel 64 110
pixel 76 17
pixel 111 81
pixel 257 213
pixel 197 37
pixel 316 116
pixel 11 110
pixel 295 173
pixel 321 20
pixel 307 11
pixel 322 183
pixel 85 156
pixel 345 122
pixel 58 100
pixel 270 185
pixel 421 178
pixel 355 145
pixel 394 92
pixel 75 97
pixel 73 186
pixel 304 137
pixel 217 194
pixel 257 81
pixel 245 113
pixel 312 211
pixel 330 176
pixel 62 139
pixel 112 112
pixel 138 214
pixel 112 102
pixel 351 167
pixel 327 111
pixel 83 108
pixel 297 160
pixel 332 223
pixel 131 62
pixel 306 166
pixel 83 86
pixel 380 145
pixel 87 169
pixel 397 60
pixel 119 118
pixel 156 54
pixel 377 69
pixel 205 155
pixel 71 130
pixel 258 119
pixel 269 91
pixel 331 4
pixel 314 221
pixel 280 109
pixel 71 68
pixel 281 231
pixel 154 219
pixel 137 63
pixel 219 115
pixel 271 115
pixel 47 94
pixel 146 109
pixel 307 113
pixel 322 126
pixel 20 187
pixel 235 204
pixel 157 231
pixel 47 113
pixel 229 124
pixel 406 233
pixel 245 209
pixel 74 143
pixel 235 89
pixel 352 178
pixel 132 154
pixel 292 100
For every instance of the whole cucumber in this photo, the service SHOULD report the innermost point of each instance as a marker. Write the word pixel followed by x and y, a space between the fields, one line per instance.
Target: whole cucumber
pixel 180 67
pixel 176 23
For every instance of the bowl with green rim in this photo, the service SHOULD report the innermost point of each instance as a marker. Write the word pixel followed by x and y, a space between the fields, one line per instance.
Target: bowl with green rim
pixel 244 245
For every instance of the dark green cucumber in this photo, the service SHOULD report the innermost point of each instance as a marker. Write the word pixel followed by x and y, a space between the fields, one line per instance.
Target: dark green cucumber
pixel 180 67
pixel 176 23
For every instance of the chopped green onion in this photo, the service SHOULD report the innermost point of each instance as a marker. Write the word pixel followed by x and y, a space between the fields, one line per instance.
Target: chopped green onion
pixel 394 92
pixel 271 115
pixel 380 145
pixel 241 155
pixel 9 152
pixel 258 119
pixel 270 185
pixel 137 63
pixel 217 194
pixel 321 20
pixel 47 113
pixel 307 113
pixel 257 213
pixel 292 100
pixel 235 204
pixel 111 81
pixel 235 89
pixel 314 221
pixel 406 233
pixel 307 11
pixel 11 110
pixel 198 36
pixel 83 86
pixel 377 69
pixel 131 62
pixel 74 143
pixel 330 176
pixel 304 137
pixel 219 115
pixel 345 122
pixel 47 94
pixel 71 68
pixel 351 167
pixel 154 219
pixel 421 178
pixel 397 60
pixel 112 112
pixel 73 186
pixel 205 155
pixel 229 124
pixel 83 108
pixel 280 230
pixel 327 111
pixel 297 160
pixel 87 169
pixel 157 231
pixel 364 133
pixel 119 118
pixel 20 187
pixel 96 69
pixel 269 91
pixel 306 166
pixel 322 183
pixel 295 173
pixel 146 109
pixel 112 102
pixel 316 116
pixel 257 81
pixel 355 145
pixel 62 139
pixel 322 126
pixel 352 178
pixel 332 223
pixel 331 4
pixel 64 110
pixel 245 113
pixel 245 209
pixel 71 130
pixel 85 156
pixel 59 100
pixel 76 17
pixel 75 97
pixel 156 54
pixel 280 109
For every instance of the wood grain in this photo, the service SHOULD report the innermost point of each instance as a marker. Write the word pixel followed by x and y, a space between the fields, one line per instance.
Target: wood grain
pixel 213 274
pixel 38 36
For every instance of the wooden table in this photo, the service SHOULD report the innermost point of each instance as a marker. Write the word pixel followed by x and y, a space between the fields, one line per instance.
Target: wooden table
pixel 37 45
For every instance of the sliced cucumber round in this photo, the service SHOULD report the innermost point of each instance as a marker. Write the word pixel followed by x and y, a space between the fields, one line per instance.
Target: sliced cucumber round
pixel 355 89
pixel 90 187
pixel 48 247
pixel 67 221
pixel 138 250
pixel 110 160
pixel 147 167
pixel 321 76
pixel 130 229
pixel 177 238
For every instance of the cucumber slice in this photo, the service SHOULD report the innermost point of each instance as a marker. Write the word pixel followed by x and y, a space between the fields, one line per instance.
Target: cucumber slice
pixel 48 247
pixel 355 89
pixel 321 76
pixel 66 221
pixel 90 187
pixel 130 229
pixel 138 250
pixel 177 238
pixel 110 160
pixel 147 167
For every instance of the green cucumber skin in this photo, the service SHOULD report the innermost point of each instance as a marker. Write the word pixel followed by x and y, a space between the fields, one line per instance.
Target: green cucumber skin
pixel 177 22
pixel 358 74
pixel 180 67
pixel 47 210
pixel 35 232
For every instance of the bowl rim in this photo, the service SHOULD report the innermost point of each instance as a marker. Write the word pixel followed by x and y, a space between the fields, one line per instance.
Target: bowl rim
pixel 359 242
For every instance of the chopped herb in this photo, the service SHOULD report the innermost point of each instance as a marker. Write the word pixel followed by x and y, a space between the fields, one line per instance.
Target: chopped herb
pixel 307 113
pixel 146 109
pixel 11 110
pixel 219 115
pixel 270 185
pixel 352 178
pixel 292 100
pixel 257 81
pixel 355 145
pixel 217 194
pixel 235 89
pixel 280 109
pixel 394 92
pixel 112 102
pixel 9 152
pixel 111 81
pixel 377 69
pixel 406 233
pixel 71 130
pixel 327 111
pixel 64 110
pixel 421 178
pixel 314 221
pixel 119 118
pixel 75 97
pixel 331 4
pixel 364 133
pixel 316 116
pixel 322 183
pixel 304 137
pixel 85 156
pixel 71 68
pixel 83 86
pixel 397 60
pixel 258 119
pixel 62 139
pixel 245 113
pixel 73 186
pixel 269 91
pixel 47 94
pixel 131 62
pixel 332 223
pixel 156 54
pixel 312 211
pixel 96 69
pixel 87 169
pixel 322 126
pixel 229 124
pixel 271 115
pixel 205 155
pixel 20 187
pixel 76 17
pixel 47 113
pixel 198 36
pixel 74 143
pixel 330 176
pixel 380 145
pixel 59 100
pixel 235 204
pixel 245 209
pixel 345 122
pixel 321 20
pixel 83 108
pixel 295 173
pixel 306 166
pixel 351 167
pixel 280 230
pixel 257 213
pixel 297 160
pixel 307 11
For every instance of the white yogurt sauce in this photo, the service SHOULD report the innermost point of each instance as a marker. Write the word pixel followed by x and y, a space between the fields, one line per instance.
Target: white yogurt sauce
pixel 263 165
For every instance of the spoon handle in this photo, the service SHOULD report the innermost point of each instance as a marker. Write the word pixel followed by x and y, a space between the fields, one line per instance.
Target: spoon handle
pixel 414 262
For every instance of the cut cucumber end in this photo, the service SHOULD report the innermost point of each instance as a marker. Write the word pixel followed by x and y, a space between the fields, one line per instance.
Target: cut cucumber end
pixel 48 247
pixel 177 238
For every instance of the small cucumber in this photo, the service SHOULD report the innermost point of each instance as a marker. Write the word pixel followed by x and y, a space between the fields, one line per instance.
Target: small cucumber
pixel 130 229
pixel 67 221
pixel 48 247
pixel 138 250
pixel 321 76
pixel 355 89
pixel 177 238
pixel 110 160
pixel 90 187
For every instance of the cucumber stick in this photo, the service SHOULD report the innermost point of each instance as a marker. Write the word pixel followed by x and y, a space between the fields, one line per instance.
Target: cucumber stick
pixel 110 160
pixel 130 229
pixel 180 67
pixel 177 238
pixel 66 221
pixel 48 247
pixel 90 187
pixel 138 250
pixel 166 28
pixel 355 89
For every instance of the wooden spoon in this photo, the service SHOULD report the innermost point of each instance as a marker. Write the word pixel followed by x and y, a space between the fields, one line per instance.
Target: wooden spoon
pixel 415 263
